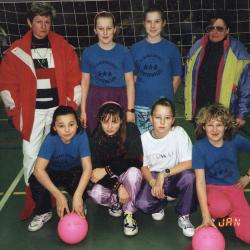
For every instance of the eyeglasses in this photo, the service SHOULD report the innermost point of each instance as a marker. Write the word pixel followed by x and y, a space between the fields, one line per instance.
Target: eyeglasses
pixel 217 28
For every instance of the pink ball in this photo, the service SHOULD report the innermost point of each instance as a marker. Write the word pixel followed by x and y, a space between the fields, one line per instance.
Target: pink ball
pixel 208 238
pixel 72 228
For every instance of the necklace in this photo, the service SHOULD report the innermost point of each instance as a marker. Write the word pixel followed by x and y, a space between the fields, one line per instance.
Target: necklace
pixel 42 59
pixel 42 63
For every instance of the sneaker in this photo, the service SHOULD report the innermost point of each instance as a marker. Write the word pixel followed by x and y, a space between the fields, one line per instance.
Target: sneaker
pixel 170 198
pixel 38 221
pixel 158 216
pixel 115 210
pixel 130 227
pixel 186 226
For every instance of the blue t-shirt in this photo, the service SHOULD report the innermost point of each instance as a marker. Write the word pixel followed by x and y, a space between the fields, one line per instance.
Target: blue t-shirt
pixel 155 65
pixel 107 67
pixel 220 164
pixel 63 156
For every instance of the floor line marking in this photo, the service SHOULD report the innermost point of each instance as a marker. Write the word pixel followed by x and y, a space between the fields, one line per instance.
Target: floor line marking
pixel 10 189
pixel 19 193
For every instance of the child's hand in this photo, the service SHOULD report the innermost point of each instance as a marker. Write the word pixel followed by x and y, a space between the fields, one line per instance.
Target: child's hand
pixel 157 190
pixel 206 222
pixel 61 205
pixel 97 174
pixel 243 182
pixel 123 195
pixel 83 119
pixel 77 205
pixel 240 122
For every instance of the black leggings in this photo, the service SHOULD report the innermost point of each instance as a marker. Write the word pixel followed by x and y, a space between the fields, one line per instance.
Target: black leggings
pixel 68 180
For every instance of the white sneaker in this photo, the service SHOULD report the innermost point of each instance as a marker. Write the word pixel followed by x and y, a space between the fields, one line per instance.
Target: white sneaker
pixel 170 198
pixel 186 226
pixel 130 227
pixel 38 221
pixel 158 216
pixel 115 210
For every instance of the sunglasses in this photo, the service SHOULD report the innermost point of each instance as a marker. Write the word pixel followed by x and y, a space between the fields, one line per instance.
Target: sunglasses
pixel 217 28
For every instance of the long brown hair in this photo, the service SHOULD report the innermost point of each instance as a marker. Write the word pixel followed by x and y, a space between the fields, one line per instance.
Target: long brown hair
pixel 111 110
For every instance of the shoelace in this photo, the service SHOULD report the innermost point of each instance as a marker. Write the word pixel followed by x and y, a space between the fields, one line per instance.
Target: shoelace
pixel 185 220
pixel 129 220
pixel 116 206
pixel 38 218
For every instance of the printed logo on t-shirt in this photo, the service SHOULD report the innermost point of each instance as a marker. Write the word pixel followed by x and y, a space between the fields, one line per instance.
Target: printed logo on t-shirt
pixel 150 66
pixel 161 158
pixel 105 73
pixel 221 171
pixel 63 162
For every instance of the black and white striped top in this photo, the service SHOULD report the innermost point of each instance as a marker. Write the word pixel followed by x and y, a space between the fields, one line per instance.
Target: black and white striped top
pixel 47 95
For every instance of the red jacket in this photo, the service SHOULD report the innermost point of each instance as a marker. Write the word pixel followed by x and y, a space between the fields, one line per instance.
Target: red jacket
pixel 18 79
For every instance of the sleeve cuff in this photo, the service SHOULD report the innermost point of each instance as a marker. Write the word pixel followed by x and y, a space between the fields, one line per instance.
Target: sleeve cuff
pixel 241 116
pixel 116 186
pixel 109 171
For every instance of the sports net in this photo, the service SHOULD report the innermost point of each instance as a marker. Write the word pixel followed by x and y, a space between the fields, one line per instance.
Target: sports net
pixel 74 20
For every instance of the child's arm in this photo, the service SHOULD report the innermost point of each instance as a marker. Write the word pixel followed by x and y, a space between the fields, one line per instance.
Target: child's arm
pixel 185 165
pixel 176 83
pixel 202 197
pixel 98 174
pixel 173 171
pixel 42 176
pixel 148 176
pixel 108 180
pixel 156 184
pixel 77 202
pixel 115 167
pixel 244 180
pixel 85 82
pixel 135 78
pixel 129 79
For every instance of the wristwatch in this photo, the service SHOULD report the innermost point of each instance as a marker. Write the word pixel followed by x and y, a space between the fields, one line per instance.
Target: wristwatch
pixel 167 172
pixel 131 110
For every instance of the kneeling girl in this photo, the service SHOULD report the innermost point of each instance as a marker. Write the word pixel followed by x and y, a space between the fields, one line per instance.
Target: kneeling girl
pixel 167 152
pixel 116 156
pixel 63 161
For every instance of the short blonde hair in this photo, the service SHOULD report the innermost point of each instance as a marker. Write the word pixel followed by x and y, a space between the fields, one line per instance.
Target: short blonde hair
pixel 218 112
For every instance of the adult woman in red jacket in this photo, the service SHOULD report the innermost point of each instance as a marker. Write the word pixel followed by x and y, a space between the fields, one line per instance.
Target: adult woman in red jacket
pixel 38 72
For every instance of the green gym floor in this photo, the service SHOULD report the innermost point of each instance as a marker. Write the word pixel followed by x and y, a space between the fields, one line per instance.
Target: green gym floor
pixel 105 232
